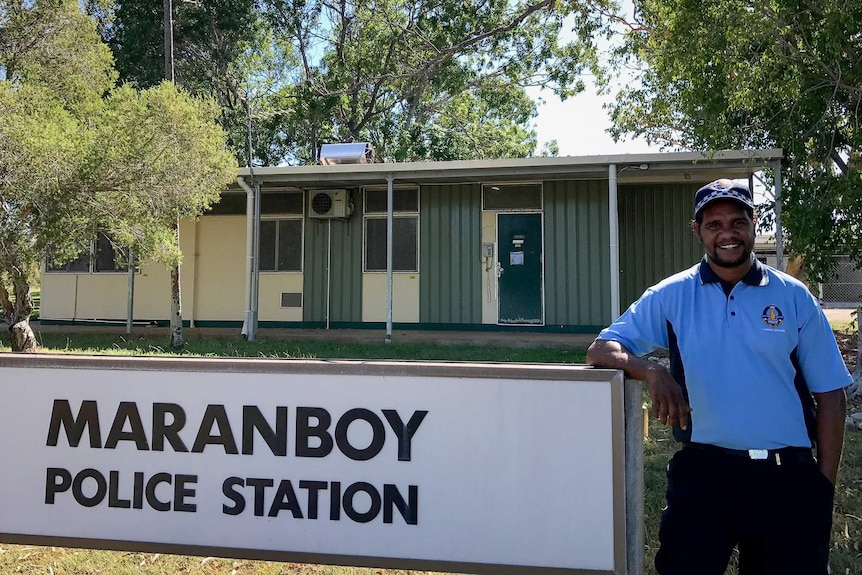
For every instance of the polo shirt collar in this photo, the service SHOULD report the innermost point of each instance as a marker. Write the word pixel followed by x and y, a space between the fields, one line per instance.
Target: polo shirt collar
pixel 756 276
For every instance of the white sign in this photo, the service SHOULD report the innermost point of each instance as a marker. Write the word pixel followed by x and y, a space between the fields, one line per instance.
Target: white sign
pixel 482 468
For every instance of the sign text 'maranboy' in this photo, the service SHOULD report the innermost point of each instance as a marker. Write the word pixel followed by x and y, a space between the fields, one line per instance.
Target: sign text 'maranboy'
pixel 312 436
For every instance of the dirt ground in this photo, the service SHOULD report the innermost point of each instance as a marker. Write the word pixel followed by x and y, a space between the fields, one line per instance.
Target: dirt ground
pixel 847 342
pixel 839 314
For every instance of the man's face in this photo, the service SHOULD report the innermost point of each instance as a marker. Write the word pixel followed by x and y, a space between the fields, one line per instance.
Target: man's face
pixel 727 234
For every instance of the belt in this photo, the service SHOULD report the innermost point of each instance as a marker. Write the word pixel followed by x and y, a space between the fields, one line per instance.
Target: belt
pixel 785 455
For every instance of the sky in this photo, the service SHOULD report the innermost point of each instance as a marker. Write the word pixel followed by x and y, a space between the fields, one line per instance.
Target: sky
pixel 579 125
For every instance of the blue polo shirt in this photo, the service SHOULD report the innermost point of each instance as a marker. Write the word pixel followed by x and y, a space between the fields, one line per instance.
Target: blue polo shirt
pixel 747 360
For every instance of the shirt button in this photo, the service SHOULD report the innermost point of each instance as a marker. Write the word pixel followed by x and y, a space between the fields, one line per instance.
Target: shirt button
pixel 733 313
pixel 731 297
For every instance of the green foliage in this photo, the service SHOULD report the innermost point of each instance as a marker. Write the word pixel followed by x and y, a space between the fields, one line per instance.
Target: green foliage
pixel 419 80
pixel 162 158
pixel 79 155
pixel 102 344
pixel 735 74
pixel 212 39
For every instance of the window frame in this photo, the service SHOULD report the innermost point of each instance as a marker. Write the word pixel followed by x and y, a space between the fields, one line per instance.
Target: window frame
pixel 92 261
pixel 396 214
pixel 278 220
pixel 503 185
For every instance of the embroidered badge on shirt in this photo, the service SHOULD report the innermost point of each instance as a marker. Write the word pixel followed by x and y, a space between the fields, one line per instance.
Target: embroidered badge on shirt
pixel 772 316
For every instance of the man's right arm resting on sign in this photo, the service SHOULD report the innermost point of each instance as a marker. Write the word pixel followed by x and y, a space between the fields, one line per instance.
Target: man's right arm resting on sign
pixel 668 403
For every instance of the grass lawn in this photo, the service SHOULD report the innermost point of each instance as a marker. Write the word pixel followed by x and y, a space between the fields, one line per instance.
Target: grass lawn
pixel 234 347
pixel 847 531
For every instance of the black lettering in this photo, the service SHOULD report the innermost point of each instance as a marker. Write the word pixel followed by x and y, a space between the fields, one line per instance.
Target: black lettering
pixel 52 486
pixel 404 433
pixel 378 436
pixel 78 491
pixel 229 491
pixel 392 497
pixel 276 439
pixel 215 414
pixel 351 511
pixel 152 484
pixel 127 411
pixel 335 501
pixel 313 488
pixel 88 417
pixel 113 492
pixel 162 430
pixel 138 495
pixel 285 498
pixel 181 492
pixel 304 431
pixel 260 486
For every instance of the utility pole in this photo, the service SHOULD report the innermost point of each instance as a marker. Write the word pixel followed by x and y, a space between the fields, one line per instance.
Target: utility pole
pixel 169 40
pixel 176 322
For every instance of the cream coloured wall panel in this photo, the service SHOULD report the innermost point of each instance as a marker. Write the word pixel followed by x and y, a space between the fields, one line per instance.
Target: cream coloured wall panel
pixel 105 295
pixel 405 297
pixel 220 266
pixel 58 295
pixel 272 285
pixel 489 277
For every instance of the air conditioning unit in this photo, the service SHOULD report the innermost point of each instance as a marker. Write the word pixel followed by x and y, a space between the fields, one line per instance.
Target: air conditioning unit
pixel 329 204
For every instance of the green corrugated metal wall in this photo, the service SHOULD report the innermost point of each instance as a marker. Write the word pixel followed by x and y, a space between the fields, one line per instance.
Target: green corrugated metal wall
pixel 346 277
pixel 577 260
pixel 655 235
pixel 450 236
pixel 655 241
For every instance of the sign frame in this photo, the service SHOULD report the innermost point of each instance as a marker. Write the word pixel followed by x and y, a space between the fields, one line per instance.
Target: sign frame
pixel 574 373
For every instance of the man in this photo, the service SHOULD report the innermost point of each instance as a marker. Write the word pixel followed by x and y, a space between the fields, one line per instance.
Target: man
pixel 755 382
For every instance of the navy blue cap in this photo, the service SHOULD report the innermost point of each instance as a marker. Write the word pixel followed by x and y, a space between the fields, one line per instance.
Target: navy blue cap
pixel 722 189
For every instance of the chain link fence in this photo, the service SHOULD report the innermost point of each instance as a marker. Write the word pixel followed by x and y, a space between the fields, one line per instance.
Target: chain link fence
pixel 845 289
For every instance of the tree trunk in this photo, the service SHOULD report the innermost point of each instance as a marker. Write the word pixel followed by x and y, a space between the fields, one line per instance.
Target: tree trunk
pixel 23 339
pixel 17 313
pixel 177 340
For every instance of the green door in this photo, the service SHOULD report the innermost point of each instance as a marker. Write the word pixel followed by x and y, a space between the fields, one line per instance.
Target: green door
pixel 519 240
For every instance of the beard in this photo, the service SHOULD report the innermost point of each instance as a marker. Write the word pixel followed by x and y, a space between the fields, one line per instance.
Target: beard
pixel 722 263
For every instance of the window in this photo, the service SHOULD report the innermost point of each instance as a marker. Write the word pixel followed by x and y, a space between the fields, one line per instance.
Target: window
pixel 80 265
pixel 101 257
pixel 405 230
pixel 403 200
pixel 234 203
pixel 505 197
pixel 404 247
pixel 105 256
pixel 281 245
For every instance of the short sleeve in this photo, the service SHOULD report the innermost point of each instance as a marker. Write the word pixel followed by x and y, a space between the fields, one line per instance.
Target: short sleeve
pixel 643 326
pixel 819 357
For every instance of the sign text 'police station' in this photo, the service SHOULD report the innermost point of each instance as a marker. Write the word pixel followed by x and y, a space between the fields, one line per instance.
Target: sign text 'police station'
pixel 312 432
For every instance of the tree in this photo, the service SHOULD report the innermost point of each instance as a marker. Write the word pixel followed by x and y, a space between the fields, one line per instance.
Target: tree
pixel 53 73
pixel 165 160
pixel 735 74
pixel 211 40
pixel 418 80
pixel 78 155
